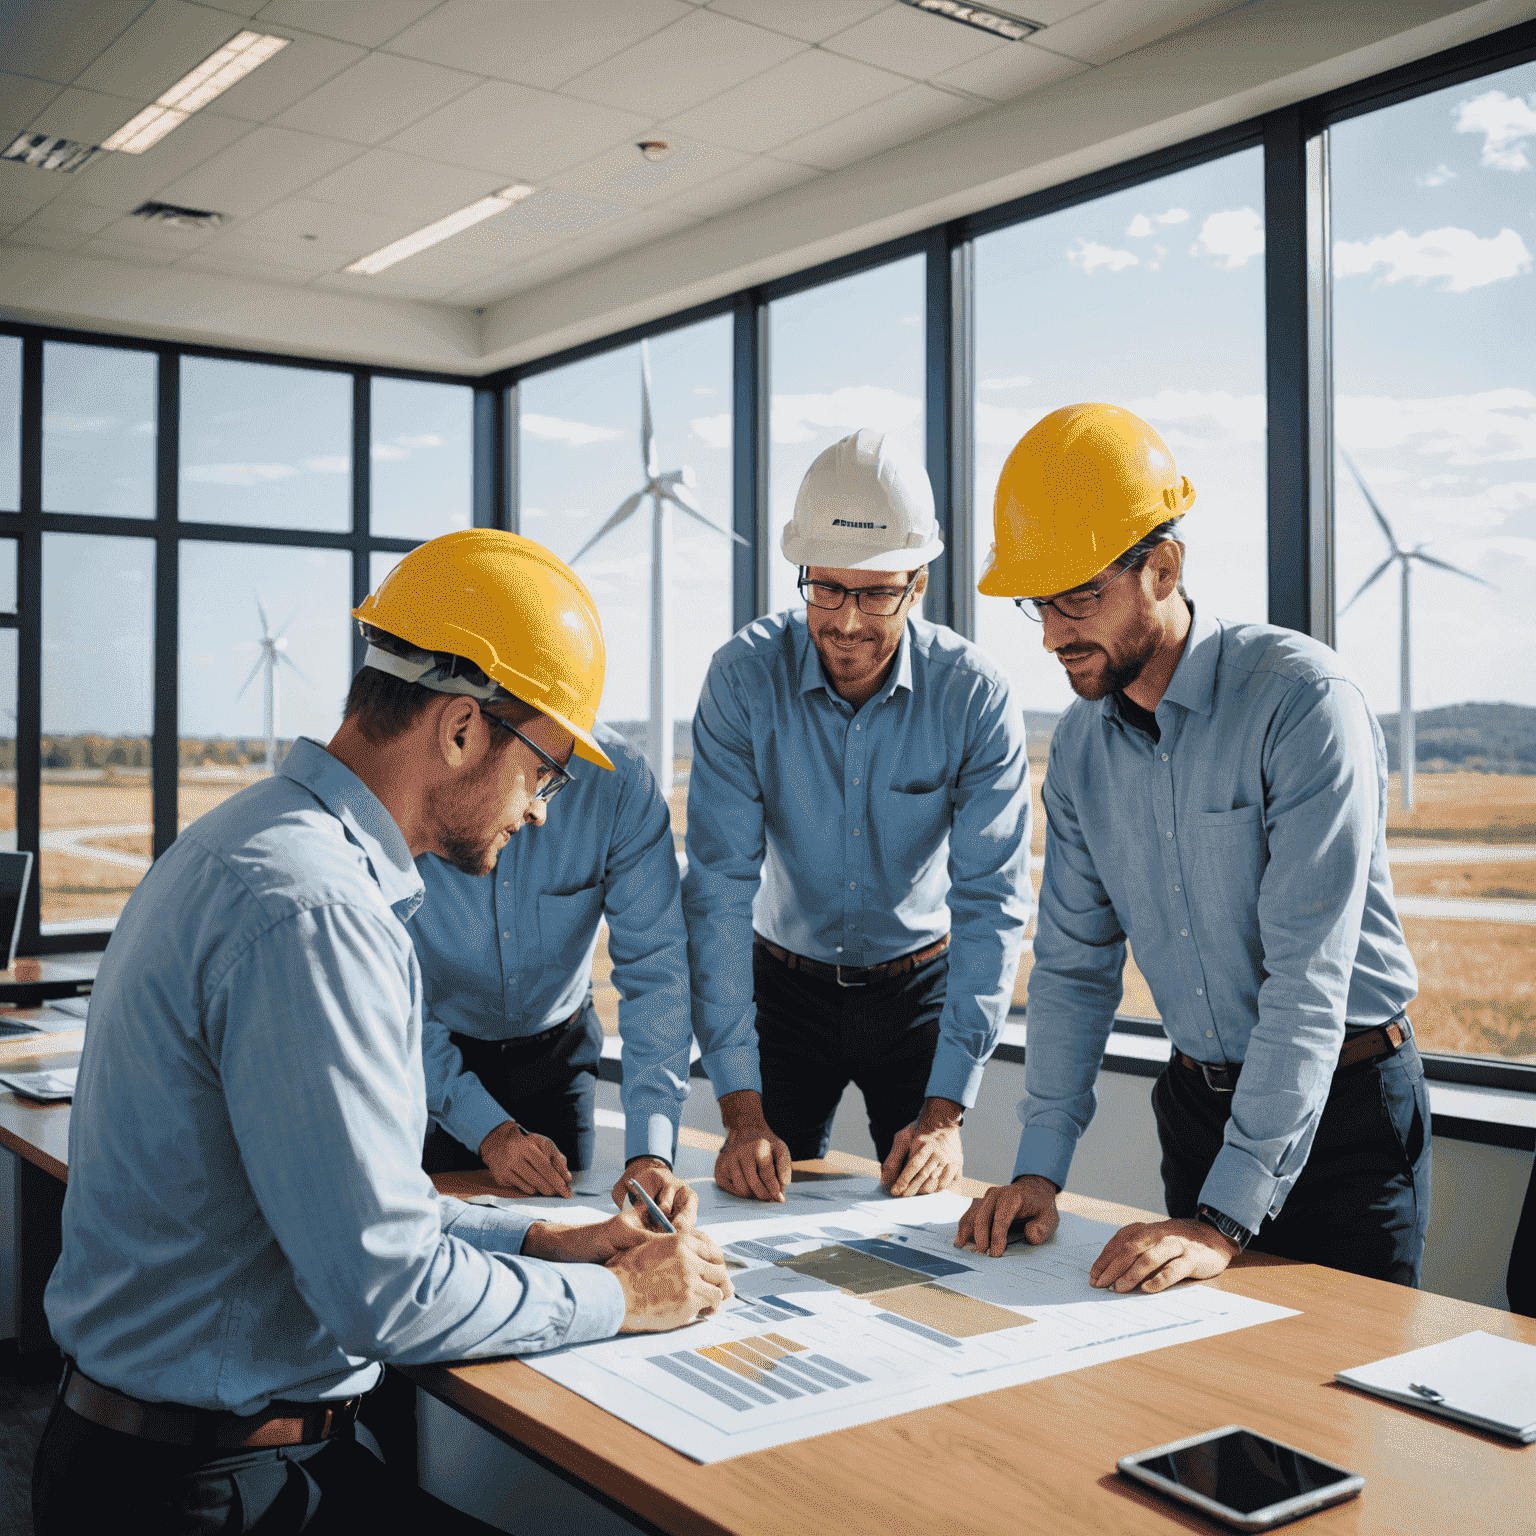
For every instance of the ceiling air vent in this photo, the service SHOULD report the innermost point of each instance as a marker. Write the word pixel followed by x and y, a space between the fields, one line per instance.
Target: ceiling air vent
pixel 178 218
pixel 50 154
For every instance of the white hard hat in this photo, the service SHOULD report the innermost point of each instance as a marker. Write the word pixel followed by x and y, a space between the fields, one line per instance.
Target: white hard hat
pixel 864 505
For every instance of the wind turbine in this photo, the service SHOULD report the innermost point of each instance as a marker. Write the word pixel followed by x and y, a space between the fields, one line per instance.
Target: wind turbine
pixel 1405 557
pixel 274 653
pixel 666 491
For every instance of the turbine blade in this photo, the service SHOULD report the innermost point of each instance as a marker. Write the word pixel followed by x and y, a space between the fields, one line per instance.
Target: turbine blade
pixel 626 506
pixel 692 508
pixel 252 677
pixel 1385 564
pixel 265 627
pixel 647 432
pixel 1456 570
pixel 286 622
pixel 1370 501
pixel 284 659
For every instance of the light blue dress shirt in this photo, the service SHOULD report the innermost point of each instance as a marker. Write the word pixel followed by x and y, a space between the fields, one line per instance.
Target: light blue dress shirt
pixel 246 1217
pixel 1244 856
pixel 512 955
pixel 856 836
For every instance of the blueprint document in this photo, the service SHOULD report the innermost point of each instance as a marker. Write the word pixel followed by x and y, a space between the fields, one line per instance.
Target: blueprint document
pixel 852 1309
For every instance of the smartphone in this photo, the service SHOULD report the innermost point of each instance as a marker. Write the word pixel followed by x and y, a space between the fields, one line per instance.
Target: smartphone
pixel 1244 1479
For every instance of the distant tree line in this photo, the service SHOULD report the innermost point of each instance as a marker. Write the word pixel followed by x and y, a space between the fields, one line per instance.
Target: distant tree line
pixel 91 750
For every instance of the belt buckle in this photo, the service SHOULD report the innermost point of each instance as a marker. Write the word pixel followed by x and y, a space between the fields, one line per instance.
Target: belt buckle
pixel 837 976
pixel 1205 1071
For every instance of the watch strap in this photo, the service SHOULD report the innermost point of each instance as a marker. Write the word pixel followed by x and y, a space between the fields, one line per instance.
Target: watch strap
pixel 1232 1230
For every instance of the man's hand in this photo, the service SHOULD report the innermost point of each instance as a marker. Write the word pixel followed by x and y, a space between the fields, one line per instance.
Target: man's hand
pixel 525 1163
pixel 595 1242
pixel 753 1163
pixel 926 1156
pixel 1030 1200
pixel 663 1186
pixel 1157 1254
pixel 669 1281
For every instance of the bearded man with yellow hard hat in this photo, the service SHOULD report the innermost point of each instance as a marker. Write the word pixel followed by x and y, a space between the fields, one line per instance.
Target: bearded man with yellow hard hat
pixel 1217 798
pixel 248 1232
pixel 858 844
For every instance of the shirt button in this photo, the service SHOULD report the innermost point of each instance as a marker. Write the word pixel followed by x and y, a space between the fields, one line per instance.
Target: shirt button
pixel 858 727
pixel 1165 757
pixel 839 949
pixel 1178 887
pixel 506 933
pixel 853 885
pixel 1210 1034
pixel 855 781
pixel 1199 991
pixel 1183 933
pixel 855 831
pixel 1170 837
pixel 506 885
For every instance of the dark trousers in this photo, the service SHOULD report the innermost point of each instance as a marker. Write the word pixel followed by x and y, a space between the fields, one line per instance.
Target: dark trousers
pixel 1361 1203
pixel 87 1478
pixel 1520 1281
pixel 814 1037
pixel 546 1082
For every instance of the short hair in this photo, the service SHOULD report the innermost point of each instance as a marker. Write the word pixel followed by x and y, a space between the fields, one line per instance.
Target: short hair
pixel 1162 534
pixel 385 706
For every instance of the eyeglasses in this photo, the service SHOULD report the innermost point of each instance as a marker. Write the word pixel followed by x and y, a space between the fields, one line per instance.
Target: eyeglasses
pixel 877 602
pixel 1079 603
pixel 558 778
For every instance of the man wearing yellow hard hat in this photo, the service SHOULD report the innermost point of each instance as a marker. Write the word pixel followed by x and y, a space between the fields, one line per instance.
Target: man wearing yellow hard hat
pixel 248 1232
pixel 1217 798
pixel 858 845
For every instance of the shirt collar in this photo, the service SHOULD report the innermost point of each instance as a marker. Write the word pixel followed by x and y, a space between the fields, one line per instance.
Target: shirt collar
pixel 1193 684
pixel 812 677
pixel 362 813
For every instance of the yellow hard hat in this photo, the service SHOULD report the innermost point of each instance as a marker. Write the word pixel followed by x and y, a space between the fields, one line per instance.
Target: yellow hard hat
pixel 512 607
pixel 1080 487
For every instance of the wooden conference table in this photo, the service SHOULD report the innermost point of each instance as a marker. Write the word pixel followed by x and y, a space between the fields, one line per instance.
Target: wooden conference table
pixel 1039 1457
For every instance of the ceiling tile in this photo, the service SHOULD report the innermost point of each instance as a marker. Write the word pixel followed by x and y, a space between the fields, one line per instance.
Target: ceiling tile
pixel 86 116
pixel 684 64
pixel 1113 28
pixel 287 77
pixel 242 8
pixel 45 239
pixel 15 210
pixel 65 218
pixel 238 266
pixel 27 186
pixel 268 163
pixel 22 99
pixel 385 286
pixel 1010 72
pixel 624 175
pixel 302 233
pixel 413 190
pixel 376 97
pixel 517 131
pixel 870 131
pixel 119 250
pixel 156 236
pixel 809 20
pixel 365 22
pixel 756 180
pixel 124 181
pixel 1049 12
pixel 912 42
pixel 57 40
pixel 551 213
pixel 534 42
pixel 234 249
pixel 160 47
pixel 803 93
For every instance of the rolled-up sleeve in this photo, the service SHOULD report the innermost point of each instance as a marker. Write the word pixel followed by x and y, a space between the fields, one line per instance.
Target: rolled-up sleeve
pixel 989 894
pixel 725 844
pixel 1320 821
pixel 310 1031
pixel 1074 989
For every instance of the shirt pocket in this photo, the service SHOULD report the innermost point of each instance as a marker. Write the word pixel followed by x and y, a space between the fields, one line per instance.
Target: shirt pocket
pixel 1227 855
pixel 917 821
pixel 567 925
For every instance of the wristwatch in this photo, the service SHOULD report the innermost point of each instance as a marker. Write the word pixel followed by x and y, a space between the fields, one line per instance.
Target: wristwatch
pixel 1228 1228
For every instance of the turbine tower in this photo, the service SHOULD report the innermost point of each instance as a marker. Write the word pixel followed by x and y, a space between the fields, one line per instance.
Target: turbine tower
pixel 274 653
pixel 1405 558
pixel 666 491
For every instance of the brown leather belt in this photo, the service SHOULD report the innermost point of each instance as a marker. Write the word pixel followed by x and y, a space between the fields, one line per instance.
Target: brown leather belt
pixel 1369 1045
pixel 171 1424
pixel 855 975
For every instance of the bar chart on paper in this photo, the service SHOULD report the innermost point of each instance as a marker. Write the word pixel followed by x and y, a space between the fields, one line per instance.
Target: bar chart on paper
pixel 845 1316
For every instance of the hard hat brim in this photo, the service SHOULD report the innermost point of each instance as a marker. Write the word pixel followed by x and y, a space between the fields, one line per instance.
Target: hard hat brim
pixel 833 554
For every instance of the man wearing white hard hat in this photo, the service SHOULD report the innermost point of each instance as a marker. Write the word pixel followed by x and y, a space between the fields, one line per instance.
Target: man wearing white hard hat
pixel 858 845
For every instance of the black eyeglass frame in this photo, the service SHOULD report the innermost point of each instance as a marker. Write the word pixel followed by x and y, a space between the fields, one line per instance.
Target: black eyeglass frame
pixel 559 777
pixel 856 593
pixel 1033 608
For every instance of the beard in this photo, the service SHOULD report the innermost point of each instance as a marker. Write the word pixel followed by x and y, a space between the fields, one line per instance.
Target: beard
pixel 465 841
pixel 1115 676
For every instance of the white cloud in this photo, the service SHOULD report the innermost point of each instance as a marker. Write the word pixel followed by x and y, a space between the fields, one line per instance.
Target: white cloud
pixel 1504 544
pixel 1139 227
pixel 1194 415
pixel 1463 260
pixel 702 389
pixel 236 474
pixel 574 434
pixel 424 440
pixel 1496 426
pixel 1437 177
pixel 1429 480
pixel 1093 257
pixel 715 430
pixel 1013 381
pixel 390 451
pixel 1234 237
pixel 1505 122
pixel 330 464
pixel 1142 225
pixel 801 418
pixel 1513 495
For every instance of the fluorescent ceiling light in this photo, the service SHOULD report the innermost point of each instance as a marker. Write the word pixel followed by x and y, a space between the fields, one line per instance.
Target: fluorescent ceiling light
pixel 235 60
pixel 487 207
pixel 998 23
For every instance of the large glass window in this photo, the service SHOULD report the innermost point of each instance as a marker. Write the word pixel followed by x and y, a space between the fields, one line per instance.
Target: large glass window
pixel 99 415
pixel 98 704
pixel 10 423
pixel 842 356
pixel 1153 299
pixel 266 446
pixel 266 656
pixel 1434 314
pixel 423 458
pixel 8 655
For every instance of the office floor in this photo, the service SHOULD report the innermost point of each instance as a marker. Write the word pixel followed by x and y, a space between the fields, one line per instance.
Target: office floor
pixel 26 1393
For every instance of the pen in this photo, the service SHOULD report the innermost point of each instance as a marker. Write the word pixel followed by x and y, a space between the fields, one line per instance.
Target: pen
pixel 657 1214
pixel 1427 1393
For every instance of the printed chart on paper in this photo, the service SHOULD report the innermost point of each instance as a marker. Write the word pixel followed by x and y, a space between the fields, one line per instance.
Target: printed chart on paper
pixel 852 1307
